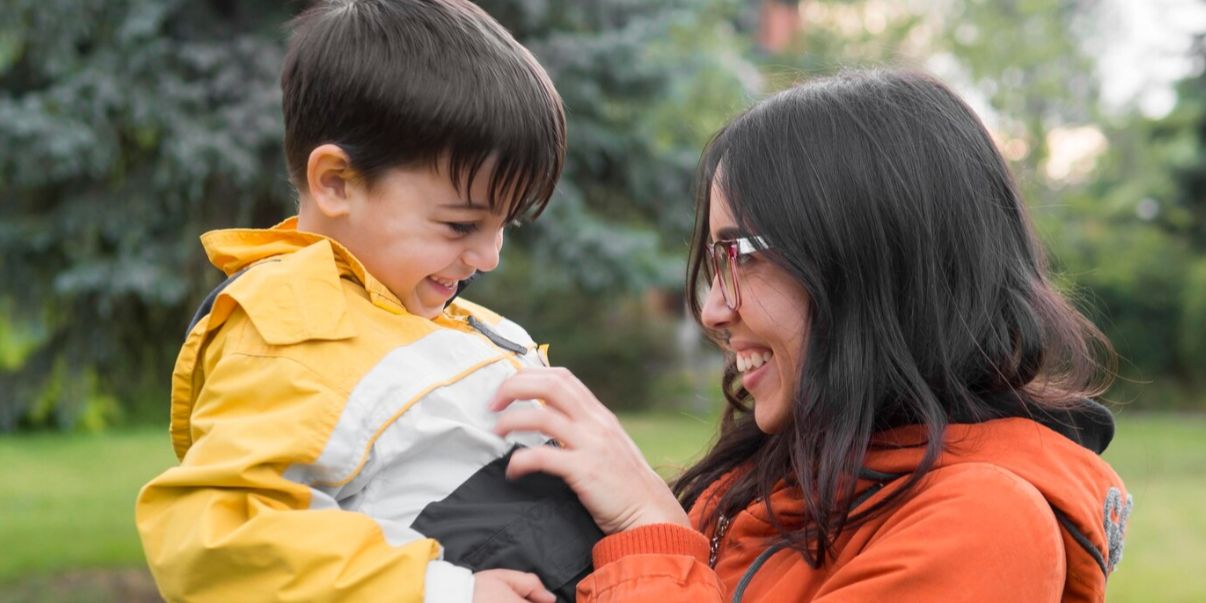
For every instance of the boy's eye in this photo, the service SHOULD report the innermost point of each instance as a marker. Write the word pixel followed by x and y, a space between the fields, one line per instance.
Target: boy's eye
pixel 462 228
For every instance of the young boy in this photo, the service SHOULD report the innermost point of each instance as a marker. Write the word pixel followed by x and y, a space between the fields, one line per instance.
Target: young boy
pixel 329 402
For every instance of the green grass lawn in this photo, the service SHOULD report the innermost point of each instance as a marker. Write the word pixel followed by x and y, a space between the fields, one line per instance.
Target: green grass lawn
pixel 67 500
pixel 1162 459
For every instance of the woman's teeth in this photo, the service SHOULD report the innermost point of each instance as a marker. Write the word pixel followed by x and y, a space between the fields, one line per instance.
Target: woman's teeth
pixel 749 361
pixel 442 282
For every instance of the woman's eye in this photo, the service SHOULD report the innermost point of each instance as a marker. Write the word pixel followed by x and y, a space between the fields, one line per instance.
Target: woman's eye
pixel 462 228
pixel 744 258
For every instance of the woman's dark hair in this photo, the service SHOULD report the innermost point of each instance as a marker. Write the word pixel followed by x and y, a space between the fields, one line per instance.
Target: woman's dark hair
pixel 414 82
pixel 883 195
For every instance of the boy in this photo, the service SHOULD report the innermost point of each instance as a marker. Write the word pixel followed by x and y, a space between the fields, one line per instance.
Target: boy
pixel 329 403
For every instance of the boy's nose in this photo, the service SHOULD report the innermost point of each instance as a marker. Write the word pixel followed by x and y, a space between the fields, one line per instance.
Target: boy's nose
pixel 483 255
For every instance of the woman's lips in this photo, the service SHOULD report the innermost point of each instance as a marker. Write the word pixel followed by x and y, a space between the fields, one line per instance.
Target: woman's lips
pixel 753 364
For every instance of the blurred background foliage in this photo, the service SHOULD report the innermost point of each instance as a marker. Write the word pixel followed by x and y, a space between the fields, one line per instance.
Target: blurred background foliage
pixel 129 127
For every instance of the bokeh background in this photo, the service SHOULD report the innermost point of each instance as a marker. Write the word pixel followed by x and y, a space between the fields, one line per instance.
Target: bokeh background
pixel 129 127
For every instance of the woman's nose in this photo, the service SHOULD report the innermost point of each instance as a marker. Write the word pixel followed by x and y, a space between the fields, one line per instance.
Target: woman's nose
pixel 715 313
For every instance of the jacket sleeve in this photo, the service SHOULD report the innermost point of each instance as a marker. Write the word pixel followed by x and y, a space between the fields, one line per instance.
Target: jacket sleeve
pixel 974 533
pixel 228 523
pixel 663 563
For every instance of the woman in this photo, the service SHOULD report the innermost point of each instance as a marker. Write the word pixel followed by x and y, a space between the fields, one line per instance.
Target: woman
pixel 908 416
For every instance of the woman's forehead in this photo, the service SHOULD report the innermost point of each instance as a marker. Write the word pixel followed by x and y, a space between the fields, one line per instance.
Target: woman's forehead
pixel 722 225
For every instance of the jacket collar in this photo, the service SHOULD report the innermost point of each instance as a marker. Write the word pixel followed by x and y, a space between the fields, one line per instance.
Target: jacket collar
pixel 232 250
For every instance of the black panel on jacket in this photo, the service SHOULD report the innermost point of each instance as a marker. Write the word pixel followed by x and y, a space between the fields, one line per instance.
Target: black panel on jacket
pixel 532 524
pixel 207 304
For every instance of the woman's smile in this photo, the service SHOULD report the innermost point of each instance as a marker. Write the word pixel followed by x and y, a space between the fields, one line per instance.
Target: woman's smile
pixel 753 364
pixel 767 332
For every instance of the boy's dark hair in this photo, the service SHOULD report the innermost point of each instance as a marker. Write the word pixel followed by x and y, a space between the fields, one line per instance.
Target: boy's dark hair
pixel 410 82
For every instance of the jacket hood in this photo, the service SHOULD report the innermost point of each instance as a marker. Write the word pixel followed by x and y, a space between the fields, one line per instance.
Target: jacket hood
pixel 235 249
pixel 1056 453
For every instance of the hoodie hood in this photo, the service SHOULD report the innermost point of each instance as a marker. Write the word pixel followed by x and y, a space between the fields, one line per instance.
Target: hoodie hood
pixel 1058 455
pixel 1056 452
pixel 236 249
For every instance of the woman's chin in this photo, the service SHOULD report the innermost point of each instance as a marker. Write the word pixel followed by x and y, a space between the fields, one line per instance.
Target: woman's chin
pixel 769 417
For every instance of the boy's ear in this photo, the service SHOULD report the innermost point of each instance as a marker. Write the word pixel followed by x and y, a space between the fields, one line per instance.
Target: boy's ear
pixel 330 178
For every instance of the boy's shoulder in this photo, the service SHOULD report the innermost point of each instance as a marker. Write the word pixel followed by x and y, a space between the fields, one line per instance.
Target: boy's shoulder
pixel 463 307
pixel 289 297
pixel 490 323
pixel 288 286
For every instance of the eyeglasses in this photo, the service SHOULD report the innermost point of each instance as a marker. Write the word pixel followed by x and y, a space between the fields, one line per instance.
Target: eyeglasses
pixel 725 257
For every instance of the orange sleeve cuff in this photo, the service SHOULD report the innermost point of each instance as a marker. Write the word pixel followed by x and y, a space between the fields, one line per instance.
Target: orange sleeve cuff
pixel 654 539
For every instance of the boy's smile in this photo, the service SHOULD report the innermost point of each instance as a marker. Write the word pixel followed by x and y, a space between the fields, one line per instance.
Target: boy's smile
pixel 411 229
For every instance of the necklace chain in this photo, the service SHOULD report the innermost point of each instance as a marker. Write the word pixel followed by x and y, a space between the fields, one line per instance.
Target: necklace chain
pixel 722 526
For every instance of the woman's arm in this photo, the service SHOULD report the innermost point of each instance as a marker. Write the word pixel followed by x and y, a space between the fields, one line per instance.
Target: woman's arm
pixel 652 553
pixel 596 457
pixel 662 563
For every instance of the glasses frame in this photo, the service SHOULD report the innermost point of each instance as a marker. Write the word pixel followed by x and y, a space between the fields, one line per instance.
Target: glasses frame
pixel 730 251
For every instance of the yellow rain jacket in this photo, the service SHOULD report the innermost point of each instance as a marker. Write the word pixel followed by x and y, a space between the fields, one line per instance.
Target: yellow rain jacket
pixel 334 447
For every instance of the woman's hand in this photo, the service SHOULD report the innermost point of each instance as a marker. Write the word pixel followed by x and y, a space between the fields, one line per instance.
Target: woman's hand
pixel 509 586
pixel 596 459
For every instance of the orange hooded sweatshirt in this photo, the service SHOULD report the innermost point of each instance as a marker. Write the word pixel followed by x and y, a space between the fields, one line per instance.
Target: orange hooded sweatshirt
pixel 1011 512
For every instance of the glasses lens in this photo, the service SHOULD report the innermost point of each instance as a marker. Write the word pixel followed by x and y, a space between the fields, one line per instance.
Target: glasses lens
pixel 727 286
pixel 723 264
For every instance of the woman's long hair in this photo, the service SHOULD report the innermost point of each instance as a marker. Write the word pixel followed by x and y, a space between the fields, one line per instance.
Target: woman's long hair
pixel 884 196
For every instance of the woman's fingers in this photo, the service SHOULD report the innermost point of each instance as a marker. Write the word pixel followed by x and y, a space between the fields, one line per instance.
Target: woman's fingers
pixel 529 383
pixel 570 413
pixel 599 461
pixel 557 387
pixel 548 421
pixel 541 459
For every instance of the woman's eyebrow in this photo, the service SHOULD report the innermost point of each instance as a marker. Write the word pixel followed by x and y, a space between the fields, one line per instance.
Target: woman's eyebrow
pixel 728 233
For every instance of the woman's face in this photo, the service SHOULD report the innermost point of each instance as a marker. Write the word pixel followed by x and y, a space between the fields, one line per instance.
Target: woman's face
pixel 767 332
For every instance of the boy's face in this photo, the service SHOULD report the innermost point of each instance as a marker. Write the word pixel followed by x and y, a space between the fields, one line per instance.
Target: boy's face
pixel 416 234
